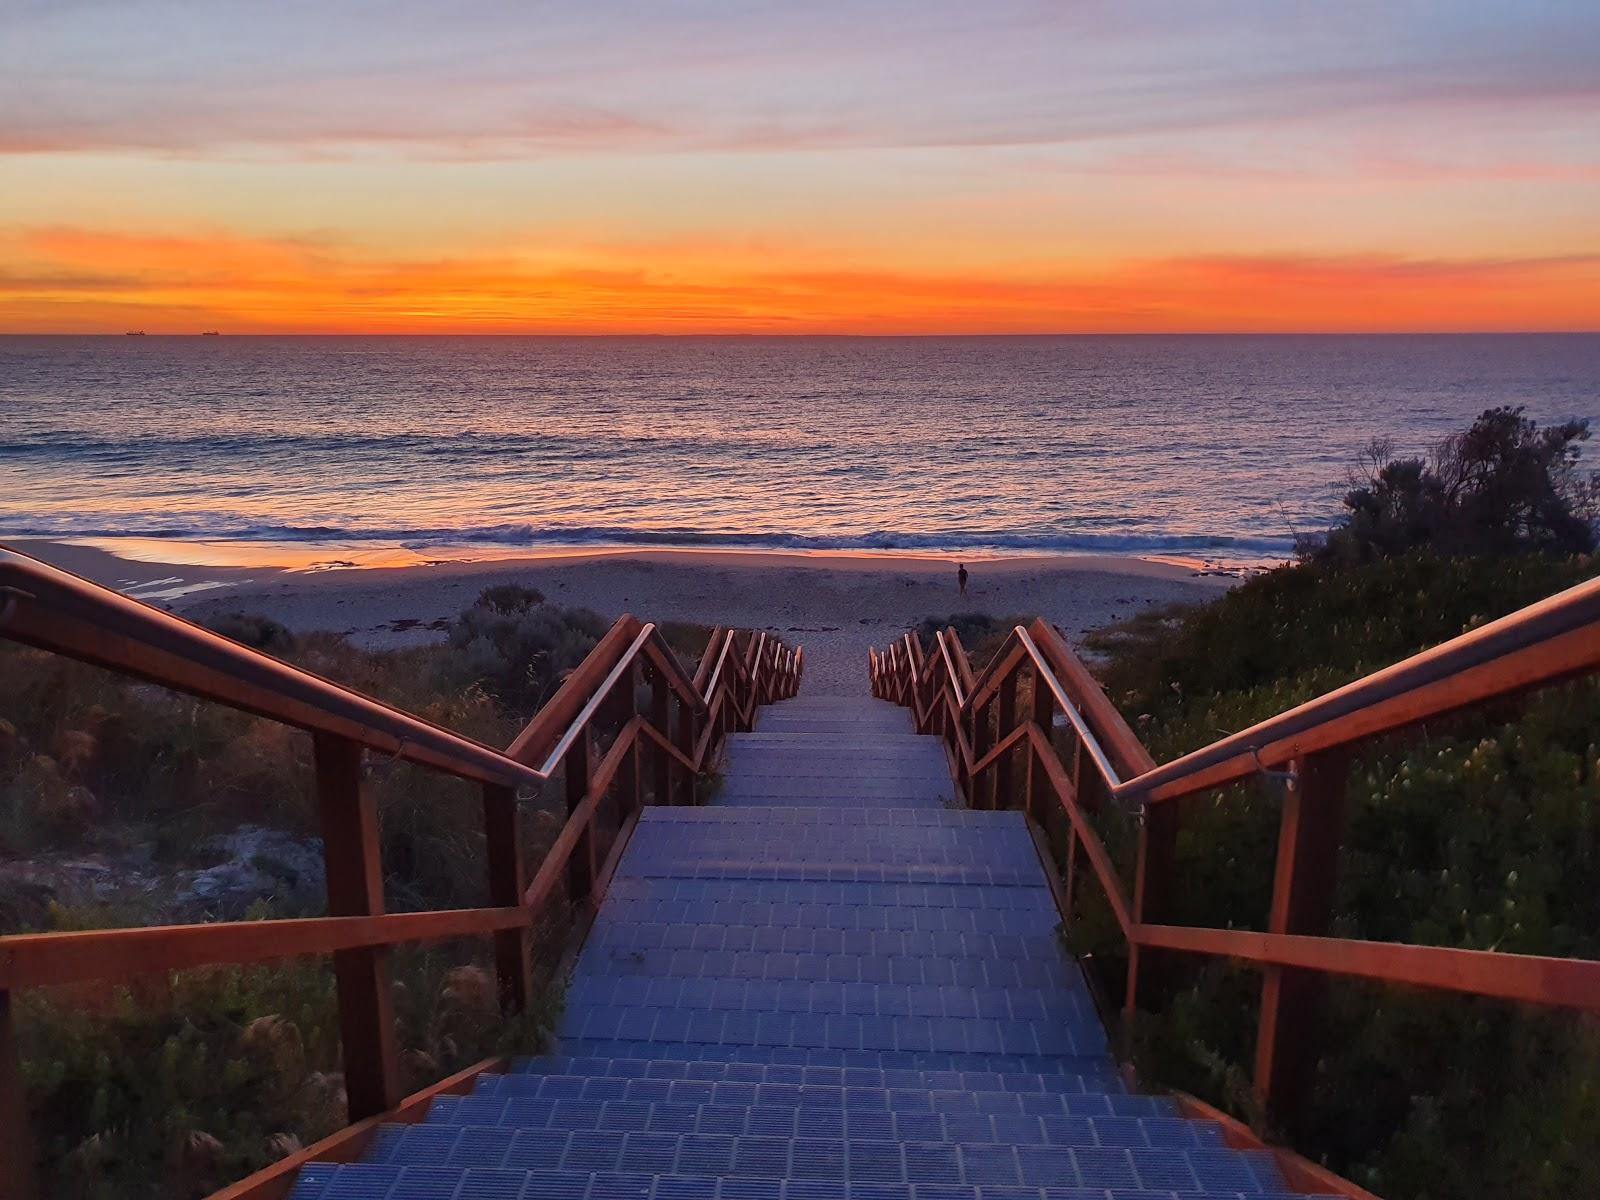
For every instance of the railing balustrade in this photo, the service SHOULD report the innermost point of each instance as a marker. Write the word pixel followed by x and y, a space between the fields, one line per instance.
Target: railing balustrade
pixel 681 733
pixel 1308 747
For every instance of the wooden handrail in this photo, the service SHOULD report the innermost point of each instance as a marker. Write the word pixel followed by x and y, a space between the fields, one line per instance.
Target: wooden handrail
pixel 556 715
pixel 1121 745
pixel 602 692
pixel 702 671
pixel 1545 643
pixel 1099 861
pixel 60 612
pixel 1525 978
pixel 57 611
pixel 30 960
pixel 580 819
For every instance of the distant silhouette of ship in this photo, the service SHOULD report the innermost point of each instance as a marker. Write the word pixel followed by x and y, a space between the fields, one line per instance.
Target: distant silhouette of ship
pixel 210 333
pixel 134 333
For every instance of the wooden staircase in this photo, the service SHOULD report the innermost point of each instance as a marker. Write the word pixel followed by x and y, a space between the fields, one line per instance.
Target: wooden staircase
pixel 828 984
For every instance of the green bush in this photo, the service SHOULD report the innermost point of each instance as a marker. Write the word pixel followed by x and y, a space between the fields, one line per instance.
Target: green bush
pixel 1482 831
pixel 508 599
pixel 1502 486
pixel 981 635
pixel 175 1086
pixel 1305 628
pixel 257 632
pixel 520 654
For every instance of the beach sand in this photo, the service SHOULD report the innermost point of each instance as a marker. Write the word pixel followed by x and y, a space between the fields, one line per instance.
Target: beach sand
pixel 834 605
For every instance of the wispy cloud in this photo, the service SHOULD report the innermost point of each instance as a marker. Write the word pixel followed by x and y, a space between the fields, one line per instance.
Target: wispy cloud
pixel 485 79
pixel 841 164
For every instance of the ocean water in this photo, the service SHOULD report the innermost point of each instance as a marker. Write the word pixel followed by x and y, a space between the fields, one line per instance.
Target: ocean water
pixel 1216 448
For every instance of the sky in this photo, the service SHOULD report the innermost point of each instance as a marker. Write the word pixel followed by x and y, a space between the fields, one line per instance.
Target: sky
pixel 410 166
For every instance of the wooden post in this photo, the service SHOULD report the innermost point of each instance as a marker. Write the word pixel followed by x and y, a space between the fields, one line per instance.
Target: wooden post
pixel 688 732
pixel 982 783
pixel 626 785
pixel 959 727
pixel 661 718
pixel 350 849
pixel 739 686
pixel 1153 891
pixel 513 948
pixel 1043 713
pixel 18 1177
pixel 1071 883
pixel 1304 884
pixel 1007 722
pixel 578 763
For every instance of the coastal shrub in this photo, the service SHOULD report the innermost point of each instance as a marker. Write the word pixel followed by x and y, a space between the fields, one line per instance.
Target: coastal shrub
pixel 981 635
pixel 1481 831
pixel 177 1085
pixel 1502 486
pixel 520 655
pixel 508 599
pixel 687 639
pixel 1321 624
pixel 253 630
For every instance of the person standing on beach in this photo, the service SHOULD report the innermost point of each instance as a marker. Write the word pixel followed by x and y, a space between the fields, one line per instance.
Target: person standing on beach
pixel 961 577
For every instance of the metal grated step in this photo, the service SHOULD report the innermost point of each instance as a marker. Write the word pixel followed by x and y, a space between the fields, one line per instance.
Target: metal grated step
pixel 865 1172
pixel 826 986
pixel 1098 1072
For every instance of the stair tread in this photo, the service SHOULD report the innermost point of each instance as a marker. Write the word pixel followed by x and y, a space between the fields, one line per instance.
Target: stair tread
pixel 1072 1095
pixel 1100 1069
pixel 816 1056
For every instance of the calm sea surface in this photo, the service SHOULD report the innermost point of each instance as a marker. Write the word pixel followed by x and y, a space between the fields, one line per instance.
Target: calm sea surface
pixel 1206 447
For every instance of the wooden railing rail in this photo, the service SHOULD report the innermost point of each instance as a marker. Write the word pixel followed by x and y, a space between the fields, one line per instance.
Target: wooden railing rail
pixel 683 730
pixel 1542 644
pixel 1308 748
pixel 57 611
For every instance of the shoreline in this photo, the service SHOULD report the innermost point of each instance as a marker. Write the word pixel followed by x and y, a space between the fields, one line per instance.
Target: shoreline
pixel 835 605
pixel 336 555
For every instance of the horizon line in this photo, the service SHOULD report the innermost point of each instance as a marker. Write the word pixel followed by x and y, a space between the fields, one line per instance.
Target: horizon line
pixel 725 335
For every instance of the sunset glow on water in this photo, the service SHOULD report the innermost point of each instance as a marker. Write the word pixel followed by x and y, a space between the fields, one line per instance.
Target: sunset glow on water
pixel 382 450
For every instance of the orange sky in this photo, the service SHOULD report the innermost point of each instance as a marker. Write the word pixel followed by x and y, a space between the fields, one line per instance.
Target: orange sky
pixel 873 168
